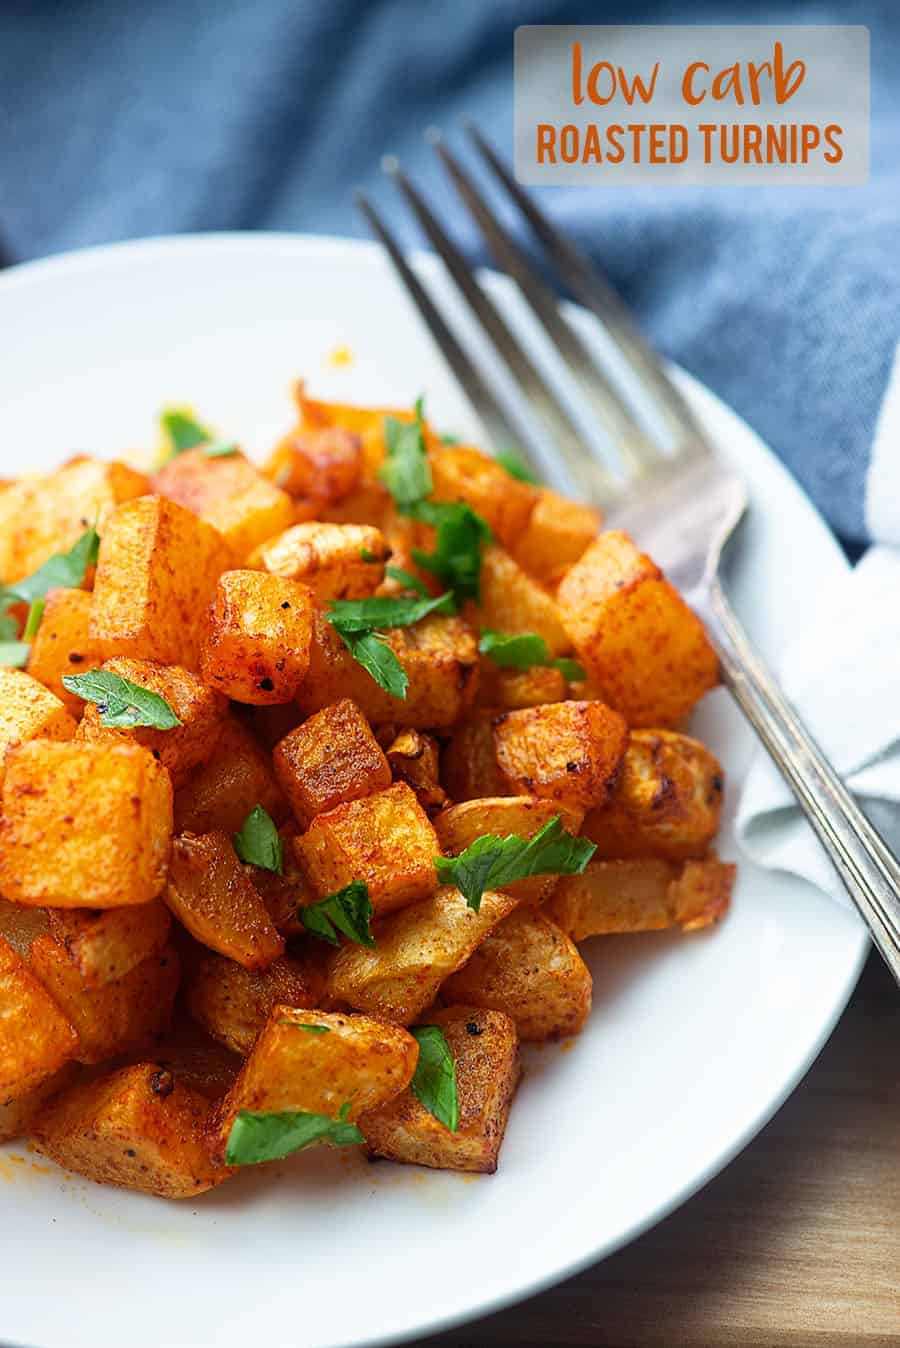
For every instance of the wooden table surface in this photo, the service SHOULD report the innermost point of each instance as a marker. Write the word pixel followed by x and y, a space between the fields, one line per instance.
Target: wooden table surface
pixel 795 1245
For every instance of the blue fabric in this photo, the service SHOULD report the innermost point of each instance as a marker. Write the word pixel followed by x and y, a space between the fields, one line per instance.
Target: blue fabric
pixel 143 118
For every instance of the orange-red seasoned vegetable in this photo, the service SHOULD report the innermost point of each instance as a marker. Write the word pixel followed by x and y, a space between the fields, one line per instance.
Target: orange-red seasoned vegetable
pixel 330 759
pixel 485 1050
pixel 569 752
pixel 621 896
pixel 256 647
pixel 634 634
pixel 84 825
pixel 385 840
pixel 156 574
pixel 211 894
pixel 666 803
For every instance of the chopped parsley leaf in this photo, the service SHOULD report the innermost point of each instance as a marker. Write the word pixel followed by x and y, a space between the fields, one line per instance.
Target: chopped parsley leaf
pixel 434 1080
pixel 121 703
pixel 349 910
pixel 491 861
pixel 270 1136
pixel 259 841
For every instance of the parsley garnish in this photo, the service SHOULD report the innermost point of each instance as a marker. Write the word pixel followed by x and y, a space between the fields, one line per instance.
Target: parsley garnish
pixel 524 650
pixel 264 1136
pixel 448 439
pixel 360 623
pixel 33 621
pixel 220 449
pixel 120 702
pixel 371 650
pixel 434 1081
pixel 509 459
pixel 405 471
pixel 14 654
pixel 407 579
pixel 310 1029
pixel 183 431
pixel 521 650
pixel 461 534
pixel 571 670
pixel 492 861
pixel 259 842
pixel 348 910
pixel 367 555
pixel 380 612
pixel 64 570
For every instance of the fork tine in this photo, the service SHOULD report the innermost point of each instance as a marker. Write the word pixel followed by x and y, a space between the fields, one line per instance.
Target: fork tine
pixel 591 288
pixel 495 421
pixel 636 449
pixel 589 476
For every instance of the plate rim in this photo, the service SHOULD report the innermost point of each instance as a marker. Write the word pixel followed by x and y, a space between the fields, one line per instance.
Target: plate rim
pixel 85 259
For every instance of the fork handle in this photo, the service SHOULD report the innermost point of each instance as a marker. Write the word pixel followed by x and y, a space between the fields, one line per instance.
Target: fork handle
pixel 861 857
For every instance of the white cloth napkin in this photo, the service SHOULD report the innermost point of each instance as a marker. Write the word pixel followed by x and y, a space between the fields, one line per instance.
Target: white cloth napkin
pixel 843 675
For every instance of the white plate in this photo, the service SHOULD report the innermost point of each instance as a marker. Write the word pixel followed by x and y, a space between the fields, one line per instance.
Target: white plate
pixel 693 1042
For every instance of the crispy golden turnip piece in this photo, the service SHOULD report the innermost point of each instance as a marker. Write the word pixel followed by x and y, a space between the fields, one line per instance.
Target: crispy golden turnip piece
pixel 29 711
pixel 233 1003
pixel 257 641
pixel 513 689
pixel 336 561
pixel 228 493
pixel 646 649
pixel 523 816
pixel 138 1128
pixel 35 1037
pixel 529 969
pixel 211 894
pixel 439 657
pixel 461 473
pixel 84 825
pixel 414 758
pixel 469 768
pixel 485 1049
pixel 330 759
pixel 107 943
pixel 41 515
pixel 569 752
pixel 648 895
pixel 17 1113
pixel 321 466
pixel 556 535
pixel 386 840
pixel 666 803
pixel 221 793
pixel 62 645
pixel 511 601
pixel 416 950
pixel 118 1016
pixel 347 1060
pixel 200 710
pixel 156 574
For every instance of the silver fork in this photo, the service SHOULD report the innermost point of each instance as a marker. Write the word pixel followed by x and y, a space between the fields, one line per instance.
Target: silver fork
pixel 682 506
